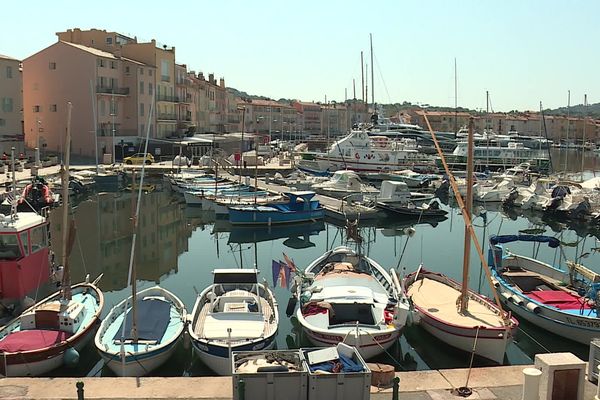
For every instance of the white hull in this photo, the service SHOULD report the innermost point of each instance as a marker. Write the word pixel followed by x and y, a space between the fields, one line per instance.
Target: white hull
pixel 138 367
pixel 221 365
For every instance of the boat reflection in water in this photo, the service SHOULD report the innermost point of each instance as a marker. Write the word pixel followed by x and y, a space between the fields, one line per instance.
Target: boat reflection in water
pixel 297 235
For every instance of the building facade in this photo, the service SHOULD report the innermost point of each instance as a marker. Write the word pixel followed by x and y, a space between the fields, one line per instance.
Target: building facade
pixel 11 98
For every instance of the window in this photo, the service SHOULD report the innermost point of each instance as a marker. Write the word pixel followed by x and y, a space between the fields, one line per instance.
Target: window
pixel 141 71
pixel 7 104
pixel 2 122
pixel 141 109
pixel 142 87
pixel 52 65
pixel 150 72
pixel 9 72
pixel 113 65
pixel 52 107
pixel 25 242
pixel 143 129
pixel 102 108
pixel 109 41
pixel 127 69
pixel 150 89
pixel 101 62
pixel 9 247
pixel 113 108
pixel 37 109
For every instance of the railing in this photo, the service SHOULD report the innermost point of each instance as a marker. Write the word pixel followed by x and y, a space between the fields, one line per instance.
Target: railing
pixel 166 117
pixel 164 97
pixel 165 78
pixel 124 91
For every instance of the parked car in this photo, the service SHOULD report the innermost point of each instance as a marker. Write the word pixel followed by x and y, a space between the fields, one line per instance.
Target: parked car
pixel 139 158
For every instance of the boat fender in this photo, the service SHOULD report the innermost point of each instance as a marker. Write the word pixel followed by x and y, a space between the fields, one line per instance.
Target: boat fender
pixel 305 296
pixel 186 340
pixel 71 357
pixel 357 156
pixel 495 283
pixel 534 308
pixel 291 306
pixel 507 296
pixel 413 318
pixel 517 300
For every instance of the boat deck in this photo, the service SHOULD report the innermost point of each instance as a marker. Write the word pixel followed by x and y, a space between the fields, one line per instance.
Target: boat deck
pixel 439 300
pixel 201 327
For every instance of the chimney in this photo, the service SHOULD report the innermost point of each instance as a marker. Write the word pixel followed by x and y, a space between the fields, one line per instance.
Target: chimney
pixel 211 78
pixel 222 82
pixel 201 76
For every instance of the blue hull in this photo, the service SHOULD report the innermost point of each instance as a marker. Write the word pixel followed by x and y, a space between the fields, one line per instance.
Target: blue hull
pixel 262 217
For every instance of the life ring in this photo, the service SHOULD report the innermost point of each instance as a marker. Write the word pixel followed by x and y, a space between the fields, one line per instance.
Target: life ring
pixel 357 156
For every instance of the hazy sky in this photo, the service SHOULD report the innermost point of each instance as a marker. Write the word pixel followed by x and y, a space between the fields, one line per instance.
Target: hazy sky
pixel 522 52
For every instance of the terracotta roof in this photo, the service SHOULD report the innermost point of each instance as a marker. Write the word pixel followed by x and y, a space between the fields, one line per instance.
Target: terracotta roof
pixel 91 50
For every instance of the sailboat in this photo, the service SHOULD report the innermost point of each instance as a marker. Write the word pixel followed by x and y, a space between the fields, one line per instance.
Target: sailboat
pixel 140 333
pixel 452 312
pixel 53 331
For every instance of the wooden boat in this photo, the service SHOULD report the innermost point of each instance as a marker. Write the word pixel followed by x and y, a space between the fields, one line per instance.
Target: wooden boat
pixel 50 333
pixel 140 333
pixel 452 312
pixel 561 301
pixel 299 208
pixel 235 313
pixel 161 319
pixel 348 297
pixel 411 210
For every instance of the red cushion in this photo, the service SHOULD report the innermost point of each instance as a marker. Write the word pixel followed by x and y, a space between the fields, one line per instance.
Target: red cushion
pixel 32 340
pixel 557 298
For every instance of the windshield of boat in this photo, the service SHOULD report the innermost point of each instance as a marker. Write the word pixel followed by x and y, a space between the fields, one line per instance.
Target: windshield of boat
pixel 351 314
pixel 9 246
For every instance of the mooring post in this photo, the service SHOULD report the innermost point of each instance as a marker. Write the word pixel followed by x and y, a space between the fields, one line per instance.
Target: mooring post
pixel 241 390
pixel 396 388
pixel 79 386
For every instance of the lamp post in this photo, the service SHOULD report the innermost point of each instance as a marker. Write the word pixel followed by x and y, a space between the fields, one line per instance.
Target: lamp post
pixel 112 114
pixel 37 148
pixel 243 109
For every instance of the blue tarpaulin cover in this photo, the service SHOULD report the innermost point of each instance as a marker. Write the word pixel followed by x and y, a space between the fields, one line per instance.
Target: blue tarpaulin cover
pixel 153 316
pixel 552 241
pixel 347 364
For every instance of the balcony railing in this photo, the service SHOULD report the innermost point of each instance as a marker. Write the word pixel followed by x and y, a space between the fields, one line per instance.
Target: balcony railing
pixel 164 97
pixel 166 117
pixel 165 78
pixel 123 91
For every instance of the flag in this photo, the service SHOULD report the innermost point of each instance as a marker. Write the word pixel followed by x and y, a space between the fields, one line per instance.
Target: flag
pixel 288 274
pixel 276 267
pixel 290 263
pixel 10 198
pixel 282 279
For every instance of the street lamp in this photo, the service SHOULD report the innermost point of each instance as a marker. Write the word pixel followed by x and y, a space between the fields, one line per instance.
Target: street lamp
pixel 112 114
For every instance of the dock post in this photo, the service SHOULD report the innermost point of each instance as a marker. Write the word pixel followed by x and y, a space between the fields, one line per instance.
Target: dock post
pixel 531 385
pixel 396 388
pixel 241 390
pixel 79 386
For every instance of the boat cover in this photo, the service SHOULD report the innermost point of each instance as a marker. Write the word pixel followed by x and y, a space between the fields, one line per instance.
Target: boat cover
pixel 153 316
pixel 33 339
pixel 558 298
pixel 552 241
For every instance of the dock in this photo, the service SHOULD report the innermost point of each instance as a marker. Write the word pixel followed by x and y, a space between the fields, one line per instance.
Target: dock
pixel 504 382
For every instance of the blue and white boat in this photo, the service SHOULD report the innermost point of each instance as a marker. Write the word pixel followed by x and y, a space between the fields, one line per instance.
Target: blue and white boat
pixel 161 319
pixel 562 301
pixel 300 208
pixel 235 313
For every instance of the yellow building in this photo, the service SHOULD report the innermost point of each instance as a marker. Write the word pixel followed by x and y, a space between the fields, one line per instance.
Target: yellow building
pixel 11 98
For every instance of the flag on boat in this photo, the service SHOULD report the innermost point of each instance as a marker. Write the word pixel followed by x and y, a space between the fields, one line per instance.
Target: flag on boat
pixel 276 267
pixel 282 274
pixel 10 198
pixel 290 263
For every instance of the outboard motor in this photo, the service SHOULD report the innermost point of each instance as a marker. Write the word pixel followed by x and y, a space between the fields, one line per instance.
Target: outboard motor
pixel 510 198
pixel 583 209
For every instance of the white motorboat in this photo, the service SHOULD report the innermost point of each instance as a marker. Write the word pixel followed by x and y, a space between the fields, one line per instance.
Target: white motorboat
pixel 348 297
pixel 342 184
pixel 235 313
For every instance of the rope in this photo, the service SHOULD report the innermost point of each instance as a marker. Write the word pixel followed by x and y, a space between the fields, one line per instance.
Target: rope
pixel 472 357
pixel 535 341
pixel 383 348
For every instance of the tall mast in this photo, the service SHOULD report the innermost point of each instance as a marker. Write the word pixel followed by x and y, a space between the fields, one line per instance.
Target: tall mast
pixel 464 293
pixel 67 230
pixel 455 99
pixel 584 129
pixel 362 77
pixel 372 74
pixel 568 127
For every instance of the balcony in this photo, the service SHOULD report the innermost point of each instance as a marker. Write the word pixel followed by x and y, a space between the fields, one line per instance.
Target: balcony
pixel 165 78
pixel 164 97
pixel 166 117
pixel 117 91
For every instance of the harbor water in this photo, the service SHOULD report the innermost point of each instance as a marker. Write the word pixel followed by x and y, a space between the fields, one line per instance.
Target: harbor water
pixel 179 246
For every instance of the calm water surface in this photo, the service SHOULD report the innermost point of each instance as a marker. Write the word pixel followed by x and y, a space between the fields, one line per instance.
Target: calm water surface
pixel 179 247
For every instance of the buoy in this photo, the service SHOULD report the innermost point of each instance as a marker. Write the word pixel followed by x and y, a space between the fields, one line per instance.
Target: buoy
pixel 291 306
pixel 381 374
pixel 71 357
pixel 534 307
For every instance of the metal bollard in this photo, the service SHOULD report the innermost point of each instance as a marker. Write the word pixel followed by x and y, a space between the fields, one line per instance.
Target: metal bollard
pixel 531 385
pixel 396 388
pixel 79 386
pixel 241 390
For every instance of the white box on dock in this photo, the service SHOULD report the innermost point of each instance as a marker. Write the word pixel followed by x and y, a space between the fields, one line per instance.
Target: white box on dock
pixel 285 385
pixel 339 386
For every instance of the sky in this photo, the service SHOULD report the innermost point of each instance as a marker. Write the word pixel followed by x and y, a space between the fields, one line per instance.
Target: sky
pixel 522 52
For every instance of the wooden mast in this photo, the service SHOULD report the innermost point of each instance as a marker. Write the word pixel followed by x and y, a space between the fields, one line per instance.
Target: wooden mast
pixel 464 292
pixel 67 230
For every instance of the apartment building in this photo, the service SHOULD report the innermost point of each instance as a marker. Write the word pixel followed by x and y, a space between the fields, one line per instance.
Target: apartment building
pixel 334 119
pixel 311 117
pixel 11 98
